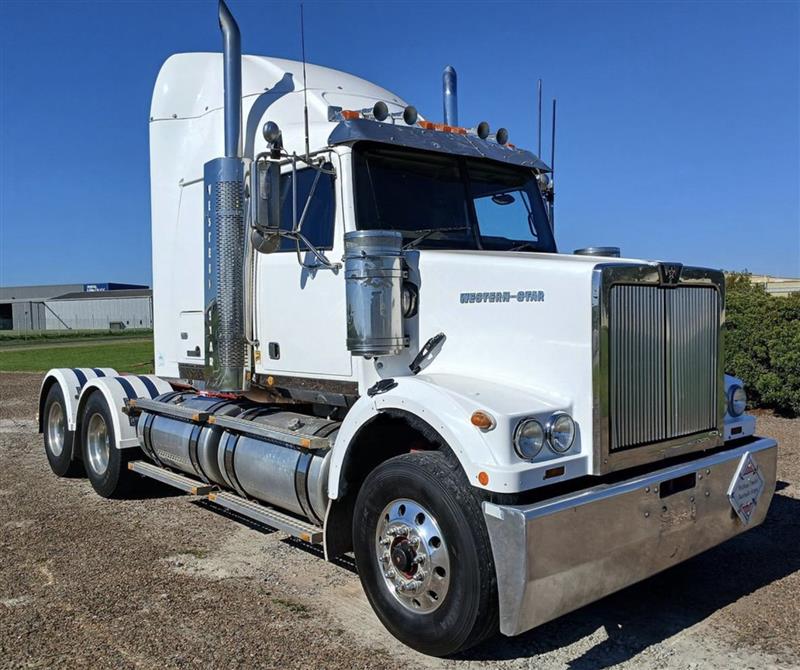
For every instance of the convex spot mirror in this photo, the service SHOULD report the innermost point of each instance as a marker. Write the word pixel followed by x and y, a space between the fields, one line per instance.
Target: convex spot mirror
pixel 503 199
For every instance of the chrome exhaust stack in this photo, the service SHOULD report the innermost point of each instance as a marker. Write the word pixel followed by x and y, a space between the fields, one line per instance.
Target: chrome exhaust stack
pixel 224 232
pixel 232 57
pixel 450 96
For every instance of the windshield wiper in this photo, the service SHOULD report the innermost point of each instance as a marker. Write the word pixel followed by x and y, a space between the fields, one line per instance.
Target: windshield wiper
pixel 524 245
pixel 426 233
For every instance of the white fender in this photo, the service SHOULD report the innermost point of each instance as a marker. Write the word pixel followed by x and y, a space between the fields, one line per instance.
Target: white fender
pixel 71 381
pixel 116 390
pixel 446 403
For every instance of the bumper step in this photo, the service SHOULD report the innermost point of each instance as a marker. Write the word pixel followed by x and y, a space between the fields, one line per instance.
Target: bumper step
pixel 170 478
pixel 268 516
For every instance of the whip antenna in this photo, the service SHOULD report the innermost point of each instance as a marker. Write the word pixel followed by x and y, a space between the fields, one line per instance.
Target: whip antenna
pixel 305 85
pixel 539 150
pixel 553 167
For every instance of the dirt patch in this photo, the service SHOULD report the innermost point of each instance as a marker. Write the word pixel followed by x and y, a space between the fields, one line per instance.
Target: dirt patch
pixel 171 581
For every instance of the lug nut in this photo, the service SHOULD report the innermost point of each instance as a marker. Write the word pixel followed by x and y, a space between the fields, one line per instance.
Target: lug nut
pixel 418 559
pixel 420 576
pixel 385 542
pixel 386 556
pixel 403 530
pixel 390 574
pixel 414 541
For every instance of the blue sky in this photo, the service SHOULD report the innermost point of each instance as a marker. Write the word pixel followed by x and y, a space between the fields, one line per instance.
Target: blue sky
pixel 678 123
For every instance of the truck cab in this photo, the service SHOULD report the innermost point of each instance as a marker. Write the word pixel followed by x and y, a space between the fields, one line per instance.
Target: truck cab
pixel 366 336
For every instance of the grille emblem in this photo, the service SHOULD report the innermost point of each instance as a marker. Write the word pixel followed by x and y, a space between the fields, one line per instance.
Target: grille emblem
pixel 670 273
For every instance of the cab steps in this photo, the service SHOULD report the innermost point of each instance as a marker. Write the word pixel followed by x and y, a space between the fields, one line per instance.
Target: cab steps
pixel 260 512
pixel 185 484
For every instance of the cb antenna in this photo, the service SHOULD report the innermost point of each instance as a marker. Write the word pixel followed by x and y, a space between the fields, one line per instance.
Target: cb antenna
pixel 553 168
pixel 305 86
pixel 539 149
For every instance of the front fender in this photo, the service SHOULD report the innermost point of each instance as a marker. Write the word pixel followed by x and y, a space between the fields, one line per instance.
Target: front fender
pixel 446 403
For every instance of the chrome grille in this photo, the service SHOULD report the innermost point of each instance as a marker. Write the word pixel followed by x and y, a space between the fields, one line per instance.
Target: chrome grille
pixel 663 350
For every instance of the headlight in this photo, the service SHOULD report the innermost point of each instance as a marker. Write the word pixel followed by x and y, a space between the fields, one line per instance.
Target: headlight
pixel 737 400
pixel 560 432
pixel 528 439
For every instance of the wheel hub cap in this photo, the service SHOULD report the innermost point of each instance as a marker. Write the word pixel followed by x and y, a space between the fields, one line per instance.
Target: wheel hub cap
pixel 412 555
pixel 55 429
pixel 97 444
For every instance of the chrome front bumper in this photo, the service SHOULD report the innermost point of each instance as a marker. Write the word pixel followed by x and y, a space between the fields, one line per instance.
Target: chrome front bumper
pixel 555 556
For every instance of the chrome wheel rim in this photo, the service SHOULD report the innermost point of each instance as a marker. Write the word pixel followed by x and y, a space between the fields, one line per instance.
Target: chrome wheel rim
pixel 412 556
pixel 97 445
pixel 55 429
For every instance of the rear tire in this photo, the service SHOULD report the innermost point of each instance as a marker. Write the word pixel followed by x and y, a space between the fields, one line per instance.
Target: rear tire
pixel 424 556
pixel 106 466
pixel 58 439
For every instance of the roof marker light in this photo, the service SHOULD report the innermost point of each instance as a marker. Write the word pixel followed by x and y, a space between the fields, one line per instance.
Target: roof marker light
pixel 483 130
pixel 410 115
pixel 380 111
pixel 501 136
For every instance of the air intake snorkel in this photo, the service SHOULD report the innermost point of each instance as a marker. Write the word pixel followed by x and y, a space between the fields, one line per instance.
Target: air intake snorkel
pixel 450 96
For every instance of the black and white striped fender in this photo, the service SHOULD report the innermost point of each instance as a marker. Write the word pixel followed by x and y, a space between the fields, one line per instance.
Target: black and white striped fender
pixel 71 381
pixel 116 390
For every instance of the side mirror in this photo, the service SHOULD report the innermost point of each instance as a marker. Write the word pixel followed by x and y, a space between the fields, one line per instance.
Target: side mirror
pixel 265 205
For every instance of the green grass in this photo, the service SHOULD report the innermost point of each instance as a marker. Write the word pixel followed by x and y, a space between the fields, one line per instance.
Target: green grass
pixel 23 336
pixel 136 357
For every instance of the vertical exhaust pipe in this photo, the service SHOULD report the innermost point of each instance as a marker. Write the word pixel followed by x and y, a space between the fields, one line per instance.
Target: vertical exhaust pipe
pixel 232 56
pixel 224 232
pixel 450 96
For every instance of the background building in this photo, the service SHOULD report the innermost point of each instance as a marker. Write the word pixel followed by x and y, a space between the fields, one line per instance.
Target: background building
pixel 101 306
pixel 781 286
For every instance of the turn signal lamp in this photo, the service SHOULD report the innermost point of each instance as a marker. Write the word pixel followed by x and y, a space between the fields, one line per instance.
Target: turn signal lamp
pixel 482 420
pixel 349 114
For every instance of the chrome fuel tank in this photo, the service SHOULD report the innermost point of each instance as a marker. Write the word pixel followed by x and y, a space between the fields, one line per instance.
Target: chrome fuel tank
pixel 189 447
pixel 279 474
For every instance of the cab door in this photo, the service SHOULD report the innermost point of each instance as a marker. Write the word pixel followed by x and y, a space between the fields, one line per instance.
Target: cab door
pixel 300 311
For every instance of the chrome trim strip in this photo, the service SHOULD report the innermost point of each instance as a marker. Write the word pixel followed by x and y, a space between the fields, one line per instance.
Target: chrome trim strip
pixel 605 276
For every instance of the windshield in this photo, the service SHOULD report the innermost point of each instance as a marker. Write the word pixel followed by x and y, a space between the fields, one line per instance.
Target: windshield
pixel 440 201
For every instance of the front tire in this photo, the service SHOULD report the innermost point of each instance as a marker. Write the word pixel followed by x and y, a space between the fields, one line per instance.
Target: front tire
pixel 58 439
pixel 423 554
pixel 106 466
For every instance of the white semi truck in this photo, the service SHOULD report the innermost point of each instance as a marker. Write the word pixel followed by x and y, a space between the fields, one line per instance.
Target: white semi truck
pixel 366 337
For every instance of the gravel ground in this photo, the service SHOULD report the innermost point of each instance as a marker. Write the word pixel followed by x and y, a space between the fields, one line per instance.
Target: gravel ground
pixel 167 581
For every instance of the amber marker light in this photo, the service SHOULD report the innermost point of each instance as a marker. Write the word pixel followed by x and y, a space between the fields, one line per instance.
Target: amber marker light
pixel 482 420
pixel 349 114
pixel 483 478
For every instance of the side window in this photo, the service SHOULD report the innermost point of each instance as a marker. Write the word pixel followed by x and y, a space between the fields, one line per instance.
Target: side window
pixel 319 221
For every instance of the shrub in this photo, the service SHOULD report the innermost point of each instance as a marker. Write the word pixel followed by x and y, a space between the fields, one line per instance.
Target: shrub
pixel 762 343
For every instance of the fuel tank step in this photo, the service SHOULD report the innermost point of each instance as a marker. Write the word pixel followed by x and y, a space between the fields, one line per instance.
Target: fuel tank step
pixel 171 478
pixel 268 516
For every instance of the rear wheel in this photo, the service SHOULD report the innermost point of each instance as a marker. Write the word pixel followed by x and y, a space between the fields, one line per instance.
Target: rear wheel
pixel 106 466
pixel 423 554
pixel 58 439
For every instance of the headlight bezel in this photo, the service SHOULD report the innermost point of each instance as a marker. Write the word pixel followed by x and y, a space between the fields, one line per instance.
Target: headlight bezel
pixel 521 425
pixel 550 429
pixel 732 391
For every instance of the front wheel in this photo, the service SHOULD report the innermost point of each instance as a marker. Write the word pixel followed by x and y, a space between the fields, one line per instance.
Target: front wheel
pixel 423 554
pixel 106 466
